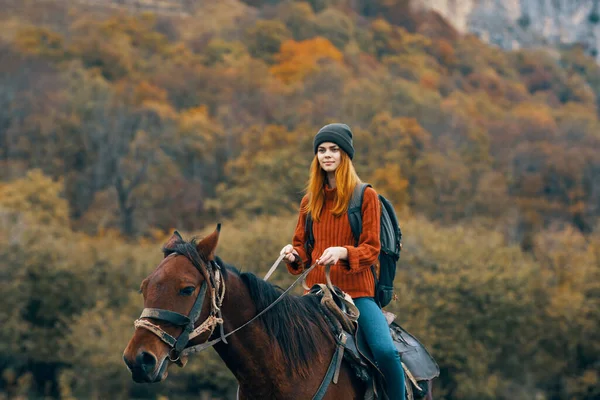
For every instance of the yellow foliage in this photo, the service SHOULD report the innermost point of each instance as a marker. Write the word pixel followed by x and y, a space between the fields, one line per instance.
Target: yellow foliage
pixel 161 109
pixel 252 243
pixel 150 98
pixel 198 131
pixel 193 117
pixel 36 195
pixel 146 91
pixel 389 181
pixel 40 41
pixel 382 26
pixel 538 114
pixel 297 59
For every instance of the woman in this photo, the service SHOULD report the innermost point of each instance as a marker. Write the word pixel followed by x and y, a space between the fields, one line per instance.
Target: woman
pixel 331 183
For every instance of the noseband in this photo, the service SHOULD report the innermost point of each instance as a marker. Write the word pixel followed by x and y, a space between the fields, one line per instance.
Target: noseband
pixel 177 345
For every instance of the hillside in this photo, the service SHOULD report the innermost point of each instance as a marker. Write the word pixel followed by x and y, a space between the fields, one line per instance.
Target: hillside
pixel 118 126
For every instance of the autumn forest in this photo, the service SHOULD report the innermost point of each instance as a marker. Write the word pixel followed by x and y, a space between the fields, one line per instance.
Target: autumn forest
pixel 119 125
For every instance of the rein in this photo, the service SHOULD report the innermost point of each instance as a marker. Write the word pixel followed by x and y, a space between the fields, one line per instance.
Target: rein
pixel 178 345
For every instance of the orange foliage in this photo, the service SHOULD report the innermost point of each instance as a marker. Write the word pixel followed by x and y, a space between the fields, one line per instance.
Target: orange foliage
pixel 146 91
pixel 297 59
pixel 444 52
pixel 430 80
pixel 390 181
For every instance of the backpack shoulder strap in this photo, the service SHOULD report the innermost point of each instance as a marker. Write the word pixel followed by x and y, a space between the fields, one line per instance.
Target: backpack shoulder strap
pixel 355 211
pixel 309 243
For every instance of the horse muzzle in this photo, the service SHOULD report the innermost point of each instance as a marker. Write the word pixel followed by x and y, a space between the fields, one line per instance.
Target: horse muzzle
pixel 145 368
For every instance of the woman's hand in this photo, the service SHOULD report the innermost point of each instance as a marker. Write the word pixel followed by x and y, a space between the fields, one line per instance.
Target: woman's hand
pixel 290 253
pixel 332 255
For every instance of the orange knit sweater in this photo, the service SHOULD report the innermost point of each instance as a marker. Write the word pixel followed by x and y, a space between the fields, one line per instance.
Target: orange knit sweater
pixel 353 275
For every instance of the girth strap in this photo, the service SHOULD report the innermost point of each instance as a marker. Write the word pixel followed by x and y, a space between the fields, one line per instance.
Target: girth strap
pixel 340 350
pixel 333 371
pixel 334 368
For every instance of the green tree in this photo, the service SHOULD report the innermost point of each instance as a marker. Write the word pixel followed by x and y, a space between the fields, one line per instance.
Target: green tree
pixel 407 140
pixel 336 26
pixel 42 285
pixel 267 176
pixel 299 19
pixel 465 285
pixel 220 51
pixel 265 38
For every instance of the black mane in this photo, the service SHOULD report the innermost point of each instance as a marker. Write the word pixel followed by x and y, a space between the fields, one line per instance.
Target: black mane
pixel 293 323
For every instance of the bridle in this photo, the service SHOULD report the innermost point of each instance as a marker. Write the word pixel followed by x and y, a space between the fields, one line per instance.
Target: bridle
pixel 177 345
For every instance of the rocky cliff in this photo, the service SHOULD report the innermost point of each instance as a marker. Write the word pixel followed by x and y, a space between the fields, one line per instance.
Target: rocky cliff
pixel 513 24
pixel 181 7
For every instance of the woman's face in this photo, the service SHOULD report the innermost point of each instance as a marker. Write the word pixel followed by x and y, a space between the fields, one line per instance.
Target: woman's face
pixel 329 156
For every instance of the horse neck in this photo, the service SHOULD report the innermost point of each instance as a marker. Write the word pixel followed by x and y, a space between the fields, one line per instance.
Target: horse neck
pixel 250 355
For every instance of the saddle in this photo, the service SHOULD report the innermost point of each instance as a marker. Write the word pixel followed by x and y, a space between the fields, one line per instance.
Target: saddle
pixel 342 315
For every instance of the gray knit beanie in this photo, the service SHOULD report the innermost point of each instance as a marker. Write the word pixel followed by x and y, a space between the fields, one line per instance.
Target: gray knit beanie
pixel 339 134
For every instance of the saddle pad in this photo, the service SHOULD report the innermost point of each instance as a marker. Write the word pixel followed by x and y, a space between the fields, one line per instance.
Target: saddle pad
pixel 414 355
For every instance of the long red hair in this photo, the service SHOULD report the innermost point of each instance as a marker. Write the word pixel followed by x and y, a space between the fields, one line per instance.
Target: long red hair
pixel 346 179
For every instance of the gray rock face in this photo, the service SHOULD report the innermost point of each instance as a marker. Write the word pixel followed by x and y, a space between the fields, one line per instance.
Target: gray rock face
pixel 512 24
pixel 167 7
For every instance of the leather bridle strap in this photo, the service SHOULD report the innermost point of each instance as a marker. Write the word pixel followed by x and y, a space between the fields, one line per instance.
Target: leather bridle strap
pixel 165 315
pixel 328 278
pixel 198 348
pixel 274 267
pixel 183 339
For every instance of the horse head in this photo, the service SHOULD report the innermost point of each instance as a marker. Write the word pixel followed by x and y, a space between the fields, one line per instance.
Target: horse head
pixel 179 292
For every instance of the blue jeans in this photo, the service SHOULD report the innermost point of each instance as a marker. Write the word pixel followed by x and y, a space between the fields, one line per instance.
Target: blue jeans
pixel 377 332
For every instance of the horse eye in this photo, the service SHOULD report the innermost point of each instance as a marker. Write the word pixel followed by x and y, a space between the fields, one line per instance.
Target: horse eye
pixel 187 291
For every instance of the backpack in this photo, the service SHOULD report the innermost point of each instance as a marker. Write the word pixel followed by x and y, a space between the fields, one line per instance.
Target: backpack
pixel 390 237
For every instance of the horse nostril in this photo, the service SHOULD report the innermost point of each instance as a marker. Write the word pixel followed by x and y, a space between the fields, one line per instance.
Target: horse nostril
pixel 147 361
pixel 127 363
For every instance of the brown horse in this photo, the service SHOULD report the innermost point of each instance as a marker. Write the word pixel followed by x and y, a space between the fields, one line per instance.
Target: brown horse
pixel 284 354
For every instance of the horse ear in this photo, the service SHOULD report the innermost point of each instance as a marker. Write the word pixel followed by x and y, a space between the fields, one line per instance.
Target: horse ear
pixel 207 246
pixel 175 238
